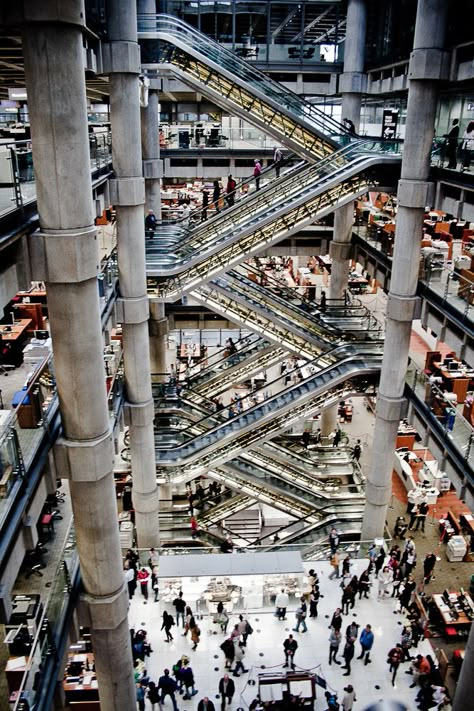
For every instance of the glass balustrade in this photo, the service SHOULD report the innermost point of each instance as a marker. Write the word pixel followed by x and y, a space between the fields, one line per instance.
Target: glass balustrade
pixel 17 169
pixel 52 629
pixel 457 430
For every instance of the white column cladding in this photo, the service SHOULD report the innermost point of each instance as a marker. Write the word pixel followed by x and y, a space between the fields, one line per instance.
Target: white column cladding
pixel 428 65
pixel 122 62
pixel 54 73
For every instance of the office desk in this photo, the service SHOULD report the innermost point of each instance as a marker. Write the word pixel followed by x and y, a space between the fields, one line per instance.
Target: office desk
pixel 18 329
pixel 457 383
pixel 445 613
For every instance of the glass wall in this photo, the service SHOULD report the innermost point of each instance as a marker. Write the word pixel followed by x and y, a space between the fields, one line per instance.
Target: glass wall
pixel 276 31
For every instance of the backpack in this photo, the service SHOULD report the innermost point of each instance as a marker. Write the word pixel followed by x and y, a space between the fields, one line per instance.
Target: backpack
pixel 248 628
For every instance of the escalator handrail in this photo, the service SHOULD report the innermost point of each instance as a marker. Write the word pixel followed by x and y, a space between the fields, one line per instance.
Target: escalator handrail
pixel 218 361
pixel 177 28
pixel 346 351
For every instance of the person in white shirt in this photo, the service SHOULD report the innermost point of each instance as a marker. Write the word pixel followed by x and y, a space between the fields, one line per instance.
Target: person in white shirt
pixel 281 604
pixel 385 578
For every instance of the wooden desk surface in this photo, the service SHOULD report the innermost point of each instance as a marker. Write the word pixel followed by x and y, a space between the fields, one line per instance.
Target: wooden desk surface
pixel 17 330
pixel 445 613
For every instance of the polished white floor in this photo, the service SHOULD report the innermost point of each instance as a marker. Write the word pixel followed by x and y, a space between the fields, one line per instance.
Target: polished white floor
pixel 372 682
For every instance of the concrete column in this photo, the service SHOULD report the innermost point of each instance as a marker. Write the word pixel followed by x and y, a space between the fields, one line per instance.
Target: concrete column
pixel 152 169
pixel 121 58
pixel 428 65
pixel 158 328
pixel 353 83
pixel 65 255
pixel 329 420
pixel 465 687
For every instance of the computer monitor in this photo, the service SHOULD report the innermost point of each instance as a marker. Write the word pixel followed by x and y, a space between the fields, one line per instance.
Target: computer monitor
pixel 41 335
pixel 452 365
pixel 448 360
pixel 445 596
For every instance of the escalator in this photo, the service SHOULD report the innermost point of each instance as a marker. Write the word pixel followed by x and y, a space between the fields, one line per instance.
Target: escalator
pixel 291 203
pixel 174 48
pixel 336 375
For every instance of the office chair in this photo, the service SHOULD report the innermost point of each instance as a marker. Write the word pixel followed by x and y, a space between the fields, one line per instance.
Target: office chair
pixel 4 367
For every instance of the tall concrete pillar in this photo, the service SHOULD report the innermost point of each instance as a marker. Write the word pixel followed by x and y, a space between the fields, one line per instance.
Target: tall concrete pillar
pixel 121 59
pixel 152 168
pixel 158 328
pixel 464 691
pixel 329 420
pixel 428 65
pixel 64 253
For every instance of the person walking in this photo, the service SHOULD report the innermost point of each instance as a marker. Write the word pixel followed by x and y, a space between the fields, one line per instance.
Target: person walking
pixel 230 191
pixel 301 616
pixel 452 144
pixel 428 567
pixel 206 705
pixel 167 624
pixel 216 195
pixel 413 516
pixel 348 654
pixel 379 561
pixel 168 687
pixel 180 606
pixel 405 643
pixel 366 640
pixel 337 438
pixel 228 648
pixel 153 695
pixel 143 577
pixel 335 565
pixel 281 603
pixel 290 645
pixel 226 690
pixel 239 658
pixel 349 698
pixel 334 642
pixel 195 633
pixel 357 451
pixel 187 676
pixel 395 658
pixel 277 160
pixel 257 172
pixel 348 597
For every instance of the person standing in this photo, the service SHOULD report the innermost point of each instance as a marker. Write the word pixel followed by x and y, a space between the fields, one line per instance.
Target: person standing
pixel 408 590
pixel 384 578
pixel 364 584
pixel 290 646
pixel 143 577
pixel 129 575
pixel 428 567
pixel 216 195
pixel 395 657
pixel 322 301
pixel 314 601
pixel 281 603
pixel 337 438
pixel 366 640
pixel 153 695
pixel 348 655
pixel 301 616
pixel 423 510
pixel 357 451
pixel 205 205
pixel 180 606
pixel 467 146
pixel 349 698
pixel 150 224
pixel 140 696
pixel 230 191
pixel 206 705
pixel 334 642
pixel 194 527
pixel 277 160
pixel 195 633
pixel 257 172
pixel 153 559
pixel 333 540
pixel 187 676
pixel 168 687
pixel 452 144
pixel 336 621
pixel 226 690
